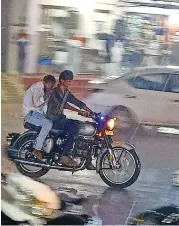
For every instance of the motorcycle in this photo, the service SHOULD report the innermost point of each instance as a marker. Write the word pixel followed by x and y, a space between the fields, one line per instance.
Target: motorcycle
pixel 166 215
pixel 26 201
pixel 94 140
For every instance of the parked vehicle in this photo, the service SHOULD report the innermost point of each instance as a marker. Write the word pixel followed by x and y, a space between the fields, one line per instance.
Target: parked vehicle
pixel 94 141
pixel 166 215
pixel 148 96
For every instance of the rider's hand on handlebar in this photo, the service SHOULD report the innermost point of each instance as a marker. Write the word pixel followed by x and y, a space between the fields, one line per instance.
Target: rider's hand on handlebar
pixel 84 113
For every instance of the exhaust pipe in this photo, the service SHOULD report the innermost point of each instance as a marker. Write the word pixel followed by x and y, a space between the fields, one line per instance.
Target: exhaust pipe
pixel 31 163
pixel 62 168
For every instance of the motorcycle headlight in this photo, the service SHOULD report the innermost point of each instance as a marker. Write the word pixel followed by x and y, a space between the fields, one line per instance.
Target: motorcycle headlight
pixel 110 124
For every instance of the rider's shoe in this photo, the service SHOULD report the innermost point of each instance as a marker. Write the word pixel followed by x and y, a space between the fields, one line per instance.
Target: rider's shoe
pixel 90 166
pixel 38 154
pixel 68 161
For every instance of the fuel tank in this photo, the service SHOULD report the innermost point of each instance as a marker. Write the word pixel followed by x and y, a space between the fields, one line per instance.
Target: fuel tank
pixel 87 129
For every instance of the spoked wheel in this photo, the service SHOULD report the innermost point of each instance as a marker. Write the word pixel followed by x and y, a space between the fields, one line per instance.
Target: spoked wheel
pixel 25 152
pixel 126 170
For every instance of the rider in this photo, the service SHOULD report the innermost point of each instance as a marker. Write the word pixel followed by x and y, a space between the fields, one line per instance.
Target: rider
pixel 58 101
pixel 34 109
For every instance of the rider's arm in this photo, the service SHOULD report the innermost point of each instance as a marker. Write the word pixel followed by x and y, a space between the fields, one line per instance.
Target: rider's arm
pixel 87 109
pixel 38 98
pixel 58 100
pixel 71 108
pixel 73 100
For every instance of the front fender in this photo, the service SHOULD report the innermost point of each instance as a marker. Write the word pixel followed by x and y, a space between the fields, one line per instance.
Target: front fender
pixel 126 146
pixel 23 135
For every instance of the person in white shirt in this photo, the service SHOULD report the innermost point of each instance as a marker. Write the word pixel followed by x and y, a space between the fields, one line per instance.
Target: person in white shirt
pixel 34 110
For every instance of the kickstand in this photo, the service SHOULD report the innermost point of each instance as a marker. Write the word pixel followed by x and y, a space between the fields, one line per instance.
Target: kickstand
pixel 73 171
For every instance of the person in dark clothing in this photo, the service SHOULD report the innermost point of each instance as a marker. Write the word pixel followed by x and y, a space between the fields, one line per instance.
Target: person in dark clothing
pixel 108 48
pixel 22 41
pixel 58 101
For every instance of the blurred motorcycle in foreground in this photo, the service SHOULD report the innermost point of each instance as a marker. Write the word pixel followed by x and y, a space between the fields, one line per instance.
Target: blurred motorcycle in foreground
pixel 26 201
pixel 166 215
pixel 118 166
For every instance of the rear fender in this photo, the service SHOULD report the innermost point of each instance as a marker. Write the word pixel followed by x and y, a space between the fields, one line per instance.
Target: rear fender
pixel 126 146
pixel 23 135
pixel 13 149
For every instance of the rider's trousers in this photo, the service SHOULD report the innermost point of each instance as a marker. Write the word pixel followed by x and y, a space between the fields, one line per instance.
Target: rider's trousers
pixel 71 127
pixel 38 119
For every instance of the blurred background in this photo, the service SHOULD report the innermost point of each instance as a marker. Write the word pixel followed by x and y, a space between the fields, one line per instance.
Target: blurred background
pixel 88 35
pixel 102 40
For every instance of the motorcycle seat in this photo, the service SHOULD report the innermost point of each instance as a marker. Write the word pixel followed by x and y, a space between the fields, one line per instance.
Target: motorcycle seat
pixel 38 128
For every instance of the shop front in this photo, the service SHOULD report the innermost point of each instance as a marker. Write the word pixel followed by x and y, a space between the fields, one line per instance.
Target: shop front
pixel 148 37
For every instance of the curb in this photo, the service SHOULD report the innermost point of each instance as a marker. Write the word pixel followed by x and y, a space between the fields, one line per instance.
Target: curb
pixel 23 82
pixel 81 76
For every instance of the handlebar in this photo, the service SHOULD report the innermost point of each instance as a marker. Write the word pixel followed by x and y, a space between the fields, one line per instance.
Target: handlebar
pixel 92 115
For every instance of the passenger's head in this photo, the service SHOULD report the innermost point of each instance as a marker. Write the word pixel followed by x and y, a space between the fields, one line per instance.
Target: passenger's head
pixel 66 78
pixel 49 82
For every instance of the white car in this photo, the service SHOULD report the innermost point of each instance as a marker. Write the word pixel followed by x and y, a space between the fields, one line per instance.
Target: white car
pixel 147 96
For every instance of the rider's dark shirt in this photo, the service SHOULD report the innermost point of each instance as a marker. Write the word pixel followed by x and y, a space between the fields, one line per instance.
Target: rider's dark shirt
pixel 55 102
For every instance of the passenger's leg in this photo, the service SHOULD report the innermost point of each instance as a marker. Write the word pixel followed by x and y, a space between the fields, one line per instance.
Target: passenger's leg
pixel 38 119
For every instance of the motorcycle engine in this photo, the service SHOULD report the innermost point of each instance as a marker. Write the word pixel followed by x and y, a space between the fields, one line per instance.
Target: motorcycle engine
pixel 82 147
pixel 48 145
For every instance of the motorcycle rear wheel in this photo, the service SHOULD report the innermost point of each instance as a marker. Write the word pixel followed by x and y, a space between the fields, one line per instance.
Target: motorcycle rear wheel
pixel 123 184
pixel 29 137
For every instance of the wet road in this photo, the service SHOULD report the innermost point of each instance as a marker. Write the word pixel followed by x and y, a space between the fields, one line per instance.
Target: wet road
pixel 159 156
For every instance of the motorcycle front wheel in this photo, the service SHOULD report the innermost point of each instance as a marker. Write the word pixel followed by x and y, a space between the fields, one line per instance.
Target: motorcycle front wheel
pixel 126 170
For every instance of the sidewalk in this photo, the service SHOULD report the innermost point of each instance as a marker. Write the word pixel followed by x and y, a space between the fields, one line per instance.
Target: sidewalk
pixel 14 86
